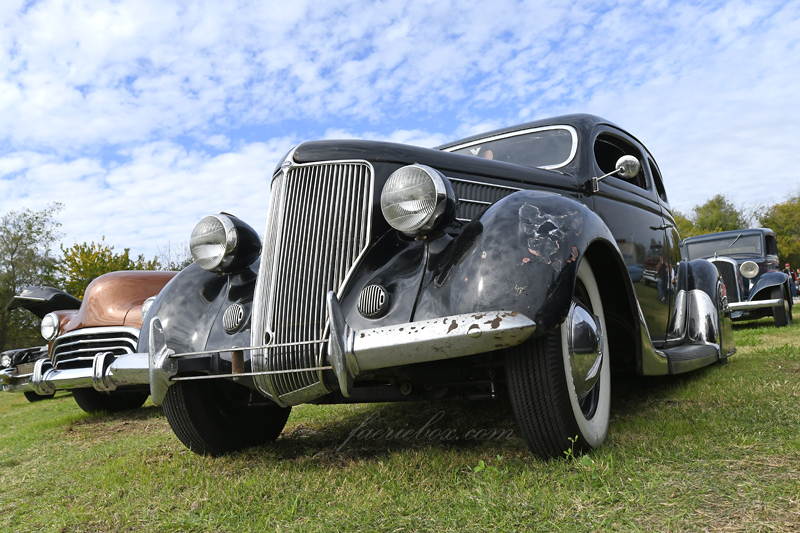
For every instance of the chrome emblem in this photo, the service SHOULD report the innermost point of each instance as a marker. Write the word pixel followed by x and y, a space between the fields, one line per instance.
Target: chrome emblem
pixel 373 301
pixel 233 318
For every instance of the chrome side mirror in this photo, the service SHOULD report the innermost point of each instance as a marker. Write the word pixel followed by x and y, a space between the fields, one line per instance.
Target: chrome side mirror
pixel 627 168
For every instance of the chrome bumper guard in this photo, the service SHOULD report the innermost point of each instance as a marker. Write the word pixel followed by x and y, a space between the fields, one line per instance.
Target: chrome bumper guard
pixel 351 352
pixel 106 374
pixel 757 304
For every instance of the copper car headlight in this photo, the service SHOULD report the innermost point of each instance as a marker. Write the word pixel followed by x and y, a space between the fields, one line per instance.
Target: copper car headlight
pixel 749 269
pixel 223 243
pixel 416 199
pixel 49 326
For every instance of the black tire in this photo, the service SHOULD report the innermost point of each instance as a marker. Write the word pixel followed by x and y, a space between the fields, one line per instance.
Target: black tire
pixel 551 419
pixel 33 397
pixel 783 312
pixel 215 417
pixel 93 401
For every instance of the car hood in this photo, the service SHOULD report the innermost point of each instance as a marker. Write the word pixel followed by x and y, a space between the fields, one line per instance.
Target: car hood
pixel 43 300
pixel 115 299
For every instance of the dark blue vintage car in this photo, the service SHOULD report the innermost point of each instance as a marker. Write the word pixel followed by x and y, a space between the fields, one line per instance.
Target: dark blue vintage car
pixel 496 265
pixel 748 262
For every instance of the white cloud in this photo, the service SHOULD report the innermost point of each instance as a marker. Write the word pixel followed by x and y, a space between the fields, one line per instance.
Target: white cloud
pixel 115 108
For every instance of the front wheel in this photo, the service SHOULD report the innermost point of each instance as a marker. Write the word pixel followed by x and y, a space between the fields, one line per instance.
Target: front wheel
pixel 218 417
pixel 560 383
pixel 783 312
pixel 93 401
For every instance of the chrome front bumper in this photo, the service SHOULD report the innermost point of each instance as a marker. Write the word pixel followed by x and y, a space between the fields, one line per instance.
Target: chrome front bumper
pixel 352 352
pixel 757 304
pixel 106 374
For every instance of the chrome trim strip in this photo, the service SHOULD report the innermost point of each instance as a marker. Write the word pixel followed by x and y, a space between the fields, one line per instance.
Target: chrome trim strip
pixel 570 129
pixel 243 374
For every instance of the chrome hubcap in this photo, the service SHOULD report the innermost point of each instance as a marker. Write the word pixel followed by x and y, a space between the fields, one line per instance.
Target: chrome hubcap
pixel 585 342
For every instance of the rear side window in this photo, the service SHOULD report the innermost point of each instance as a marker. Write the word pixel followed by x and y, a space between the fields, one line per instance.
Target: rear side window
pixel 662 193
pixel 772 245
pixel 608 149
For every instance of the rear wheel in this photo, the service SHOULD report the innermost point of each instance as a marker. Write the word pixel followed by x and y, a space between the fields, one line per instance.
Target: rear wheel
pixel 560 384
pixel 93 401
pixel 217 417
pixel 783 312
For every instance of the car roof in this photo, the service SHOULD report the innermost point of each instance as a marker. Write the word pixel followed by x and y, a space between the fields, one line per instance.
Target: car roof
pixel 722 234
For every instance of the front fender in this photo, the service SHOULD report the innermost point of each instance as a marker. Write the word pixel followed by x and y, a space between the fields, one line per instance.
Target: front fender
pixel 521 254
pixel 767 280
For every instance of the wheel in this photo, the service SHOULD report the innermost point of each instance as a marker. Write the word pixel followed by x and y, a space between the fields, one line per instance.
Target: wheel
pixel 559 384
pixel 33 397
pixel 217 417
pixel 783 312
pixel 93 401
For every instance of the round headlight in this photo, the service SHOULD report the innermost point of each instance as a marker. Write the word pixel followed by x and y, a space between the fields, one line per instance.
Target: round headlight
pixel 146 306
pixel 5 361
pixel 223 243
pixel 49 326
pixel 213 238
pixel 749 269
pixel 415 198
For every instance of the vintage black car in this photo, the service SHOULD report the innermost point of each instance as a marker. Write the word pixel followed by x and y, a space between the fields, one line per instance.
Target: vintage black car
pixel 492 265
pixel 748 262
pixel 16 366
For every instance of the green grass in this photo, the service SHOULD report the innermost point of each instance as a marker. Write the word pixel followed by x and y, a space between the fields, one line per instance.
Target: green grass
pixel 717 449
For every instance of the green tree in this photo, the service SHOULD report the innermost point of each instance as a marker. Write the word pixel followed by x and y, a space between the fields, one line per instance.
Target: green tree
pixel 26 239
pixel 685 225
pixel 82 263
pixel 784 220
pixel 718 214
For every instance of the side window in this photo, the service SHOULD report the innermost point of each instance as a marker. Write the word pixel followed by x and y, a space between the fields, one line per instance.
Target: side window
pixel 662 193
pixel 608 149
pixel 772 245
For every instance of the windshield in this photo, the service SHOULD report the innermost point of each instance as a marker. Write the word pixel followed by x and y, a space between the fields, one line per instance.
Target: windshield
pixel 543 148
pixel 730 245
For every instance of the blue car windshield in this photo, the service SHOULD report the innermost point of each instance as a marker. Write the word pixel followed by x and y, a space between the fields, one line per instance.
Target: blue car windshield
pixel 729 245
pixel 545 148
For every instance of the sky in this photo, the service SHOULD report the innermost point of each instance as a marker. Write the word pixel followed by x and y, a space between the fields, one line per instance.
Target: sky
pixel 143 116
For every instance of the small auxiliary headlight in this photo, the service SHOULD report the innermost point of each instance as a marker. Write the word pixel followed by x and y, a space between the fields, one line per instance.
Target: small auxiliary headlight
pixel 146 307
pixel 415 198
pixel 5 361
pixel 223 243
pixel 49 326
pixel 749 269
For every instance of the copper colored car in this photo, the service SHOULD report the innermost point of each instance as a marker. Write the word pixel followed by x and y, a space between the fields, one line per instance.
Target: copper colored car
pixel 87 346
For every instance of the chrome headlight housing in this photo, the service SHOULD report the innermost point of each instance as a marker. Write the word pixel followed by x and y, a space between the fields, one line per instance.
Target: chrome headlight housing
pixel 49 327
pixel 223 243
pixel 146 307
pixel 5 361
pixel 416 199
pixel 749 269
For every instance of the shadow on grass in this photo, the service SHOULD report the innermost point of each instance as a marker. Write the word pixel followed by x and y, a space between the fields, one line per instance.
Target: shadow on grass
pixel 380 430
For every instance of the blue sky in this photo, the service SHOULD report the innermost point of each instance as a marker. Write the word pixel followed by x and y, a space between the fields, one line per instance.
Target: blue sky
pixel 143 116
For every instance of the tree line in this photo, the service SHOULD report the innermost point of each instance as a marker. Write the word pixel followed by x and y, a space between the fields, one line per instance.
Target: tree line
pixel 27 257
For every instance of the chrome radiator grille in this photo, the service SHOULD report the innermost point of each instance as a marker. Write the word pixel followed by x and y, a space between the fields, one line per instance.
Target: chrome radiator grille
pixel 317 228
pixel 727 270
pixel 474 197
pixel 77 348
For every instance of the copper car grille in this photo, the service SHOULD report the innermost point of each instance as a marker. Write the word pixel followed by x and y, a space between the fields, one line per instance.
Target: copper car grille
pixel 727 269
pixel 76 349
pixel 474 197
pixel 318 226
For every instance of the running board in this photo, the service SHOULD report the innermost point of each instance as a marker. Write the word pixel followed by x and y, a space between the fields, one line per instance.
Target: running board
pixel 691 357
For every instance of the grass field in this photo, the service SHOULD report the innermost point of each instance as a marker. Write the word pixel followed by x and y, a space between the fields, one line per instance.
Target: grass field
pixel 717 449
